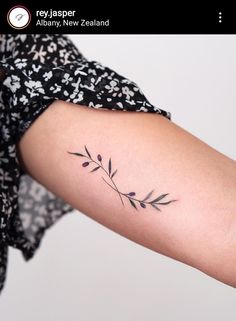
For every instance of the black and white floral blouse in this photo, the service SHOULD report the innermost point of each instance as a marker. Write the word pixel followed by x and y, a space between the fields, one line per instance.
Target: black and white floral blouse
pixel 35 70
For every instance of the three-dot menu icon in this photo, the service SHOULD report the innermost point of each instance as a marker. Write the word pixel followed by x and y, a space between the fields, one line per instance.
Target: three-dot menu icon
pixel 220 17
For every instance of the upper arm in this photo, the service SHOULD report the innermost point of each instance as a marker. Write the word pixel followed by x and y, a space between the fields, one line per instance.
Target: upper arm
pixel 150 153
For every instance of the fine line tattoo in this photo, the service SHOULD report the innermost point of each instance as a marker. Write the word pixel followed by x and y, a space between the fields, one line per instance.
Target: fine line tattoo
pixel 155 203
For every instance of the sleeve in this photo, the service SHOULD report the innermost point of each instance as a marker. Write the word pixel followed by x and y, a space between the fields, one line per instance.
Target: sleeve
pixel 32 86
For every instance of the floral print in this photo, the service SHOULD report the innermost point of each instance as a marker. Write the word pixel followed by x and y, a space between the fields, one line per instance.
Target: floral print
pixel 37 70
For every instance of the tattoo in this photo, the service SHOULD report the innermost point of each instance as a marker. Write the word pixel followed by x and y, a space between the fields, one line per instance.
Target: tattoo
pixel 155 203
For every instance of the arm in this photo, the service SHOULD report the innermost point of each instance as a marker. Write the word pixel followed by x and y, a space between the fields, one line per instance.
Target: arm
pixel 195 225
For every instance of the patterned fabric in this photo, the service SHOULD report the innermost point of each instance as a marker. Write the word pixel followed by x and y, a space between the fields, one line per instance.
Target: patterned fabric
pixel 35 70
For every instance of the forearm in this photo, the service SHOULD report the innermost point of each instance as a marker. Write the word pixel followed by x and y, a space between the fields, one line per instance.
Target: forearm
pixel 149 153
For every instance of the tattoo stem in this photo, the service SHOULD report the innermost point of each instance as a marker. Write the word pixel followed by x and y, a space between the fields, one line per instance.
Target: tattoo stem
pixel 126 195
pixel 116 189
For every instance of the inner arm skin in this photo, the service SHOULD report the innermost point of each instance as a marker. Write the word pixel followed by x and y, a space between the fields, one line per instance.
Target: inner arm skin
pixel 150 153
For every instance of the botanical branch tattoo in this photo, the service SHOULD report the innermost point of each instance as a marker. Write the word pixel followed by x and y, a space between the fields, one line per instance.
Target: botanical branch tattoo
pixel 156 203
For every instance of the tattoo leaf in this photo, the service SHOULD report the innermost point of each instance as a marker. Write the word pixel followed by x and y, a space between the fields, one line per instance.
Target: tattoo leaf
pixel 142 205
pixel 87 151
pixel 114 173
pixel 154 205
pixel 109 167
pixel 85 164
pixel 166 203
pixel 77 154
pixel 96 168
pixel 159 198
pixel 148 196
pixel 99 157
pixel 132 203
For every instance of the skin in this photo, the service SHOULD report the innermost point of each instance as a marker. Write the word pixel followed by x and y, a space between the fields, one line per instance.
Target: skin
pixel 150 153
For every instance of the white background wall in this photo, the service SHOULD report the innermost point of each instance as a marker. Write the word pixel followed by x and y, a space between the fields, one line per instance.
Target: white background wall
pixel 85 272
